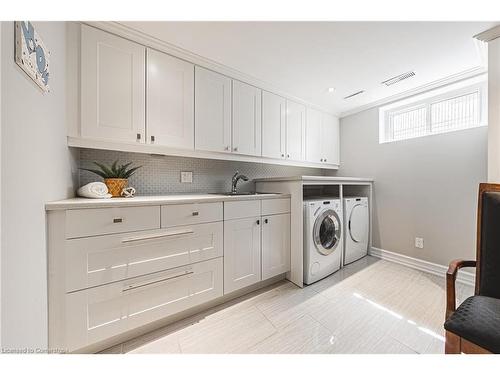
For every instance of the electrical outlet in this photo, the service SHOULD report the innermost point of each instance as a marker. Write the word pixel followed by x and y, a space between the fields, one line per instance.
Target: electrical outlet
pixel 419 242
pixel 187 177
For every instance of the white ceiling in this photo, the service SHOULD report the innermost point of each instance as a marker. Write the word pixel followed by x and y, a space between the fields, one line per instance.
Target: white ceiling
pixel 304 59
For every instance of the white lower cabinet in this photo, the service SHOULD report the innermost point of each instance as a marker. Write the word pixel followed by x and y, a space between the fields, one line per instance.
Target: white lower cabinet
pixel 95 314
pixel 97 260
pixel 242 258
pixel 112 270
pixel 275 245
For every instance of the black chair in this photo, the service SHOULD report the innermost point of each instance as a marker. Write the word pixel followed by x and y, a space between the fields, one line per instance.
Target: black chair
pixel 474 327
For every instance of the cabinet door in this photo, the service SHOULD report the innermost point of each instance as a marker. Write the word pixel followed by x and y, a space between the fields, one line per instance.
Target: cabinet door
pixel 275 245
pixel 313 136
pixel 242 258
pixel 295 130
pixel 212 112
pixel 247 119
pixel 170 101
pixel 330 139
pixel 273 125
pixel 112 87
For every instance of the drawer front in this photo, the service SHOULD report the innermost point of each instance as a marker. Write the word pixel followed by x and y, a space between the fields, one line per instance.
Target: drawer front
pixel 95 314
pixel 99 221
pixel 275 206
pixel 94 261
pixel 188 214
pixel 241 209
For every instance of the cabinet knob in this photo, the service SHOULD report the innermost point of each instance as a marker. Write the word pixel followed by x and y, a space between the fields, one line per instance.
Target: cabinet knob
pixel 258 222
pixel 152 138
pixel 325 160
pixel 226 148
pixel 138 136
pixel 266 221
pixel 287 155
pixel 321 160
pixel 235 149
pixel 282 155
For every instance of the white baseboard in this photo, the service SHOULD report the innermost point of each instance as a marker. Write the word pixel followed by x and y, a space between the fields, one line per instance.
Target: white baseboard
pixel 464 277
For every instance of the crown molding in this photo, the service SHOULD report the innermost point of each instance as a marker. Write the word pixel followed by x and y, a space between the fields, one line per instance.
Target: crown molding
pixel 147 40
pixel 467 74
pixel 489 35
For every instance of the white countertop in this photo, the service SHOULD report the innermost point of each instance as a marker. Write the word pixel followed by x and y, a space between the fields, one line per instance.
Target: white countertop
pixel 315 178
pixel 74 203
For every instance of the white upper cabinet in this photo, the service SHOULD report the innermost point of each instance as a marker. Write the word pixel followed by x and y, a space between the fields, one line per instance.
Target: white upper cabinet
pixel 295 130
pixel 212 113
pixel 247 119
pixel 170 101
pixel 330 139
pixel 112 87
pixel 138 99
pixel 322 137
pixel 313 136
pixel 273 126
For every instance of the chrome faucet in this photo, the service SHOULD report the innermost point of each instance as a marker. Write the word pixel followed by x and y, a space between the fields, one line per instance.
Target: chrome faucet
pixel 236 177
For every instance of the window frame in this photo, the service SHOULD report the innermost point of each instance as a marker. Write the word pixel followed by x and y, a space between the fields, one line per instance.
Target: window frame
pixel 430 98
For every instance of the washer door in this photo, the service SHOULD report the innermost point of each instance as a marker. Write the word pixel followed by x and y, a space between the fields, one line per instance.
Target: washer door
pixel 327 232
pixel 358 223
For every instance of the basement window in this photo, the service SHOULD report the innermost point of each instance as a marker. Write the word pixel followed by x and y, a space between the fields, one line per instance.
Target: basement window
pixel 451 108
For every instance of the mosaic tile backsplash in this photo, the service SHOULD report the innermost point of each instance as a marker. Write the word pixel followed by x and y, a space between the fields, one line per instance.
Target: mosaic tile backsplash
pixel 161 174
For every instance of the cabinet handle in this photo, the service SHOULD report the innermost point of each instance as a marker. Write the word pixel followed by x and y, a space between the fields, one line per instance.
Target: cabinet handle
pixel 136 286
pixel 195 213
pixel 152 138
pixel 138 136
pixel 258 222
pixel 157 235
pixel 266 221
pixel 117 220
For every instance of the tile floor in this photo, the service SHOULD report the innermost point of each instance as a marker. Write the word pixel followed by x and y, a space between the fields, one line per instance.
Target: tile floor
pixel 370 306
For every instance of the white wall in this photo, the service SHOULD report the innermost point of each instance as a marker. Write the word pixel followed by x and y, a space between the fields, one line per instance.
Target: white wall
pixel 0 186
pixel 424 187
pixel 36 167
pixel 494 110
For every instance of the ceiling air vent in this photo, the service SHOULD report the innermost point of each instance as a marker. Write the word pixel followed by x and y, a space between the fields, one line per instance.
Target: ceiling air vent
pixel 399 78
pixel 355 94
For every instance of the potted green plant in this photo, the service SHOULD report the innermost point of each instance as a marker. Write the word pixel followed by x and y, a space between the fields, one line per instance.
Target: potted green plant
pixel 115 176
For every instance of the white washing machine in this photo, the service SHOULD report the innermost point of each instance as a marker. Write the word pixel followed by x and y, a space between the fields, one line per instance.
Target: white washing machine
pixel 322 238
pixel 357 228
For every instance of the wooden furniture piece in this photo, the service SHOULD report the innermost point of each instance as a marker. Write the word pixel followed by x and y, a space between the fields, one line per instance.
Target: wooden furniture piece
pixel 474 327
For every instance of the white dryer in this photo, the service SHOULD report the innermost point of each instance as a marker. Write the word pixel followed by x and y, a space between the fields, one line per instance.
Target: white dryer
pixel 322 238
pixel 357 228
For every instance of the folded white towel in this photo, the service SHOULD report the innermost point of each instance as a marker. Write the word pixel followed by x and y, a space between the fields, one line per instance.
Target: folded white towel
pixel 94 190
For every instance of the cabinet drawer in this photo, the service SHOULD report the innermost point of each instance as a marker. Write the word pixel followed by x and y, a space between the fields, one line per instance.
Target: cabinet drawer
pixel 241 209
pixel 98 313
pixel 98 221
pixel 94 261
pixel 188 214
pixel 275 206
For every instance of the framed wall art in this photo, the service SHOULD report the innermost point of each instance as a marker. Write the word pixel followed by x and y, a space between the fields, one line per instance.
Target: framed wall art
pixel 31 54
